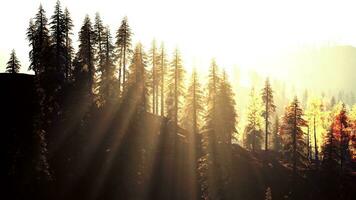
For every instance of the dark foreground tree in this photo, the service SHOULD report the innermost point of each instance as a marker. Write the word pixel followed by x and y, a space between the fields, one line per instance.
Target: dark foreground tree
pixel 84 62
pixel 13 65
pixel 294 146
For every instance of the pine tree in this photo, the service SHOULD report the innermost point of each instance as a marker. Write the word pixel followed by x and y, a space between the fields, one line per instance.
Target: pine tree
pixel 124 51
pixel 107 90
pixel 154 61
pixel 339 126
pixel 269 108
pixel 58 37
pixel 226 111
pixel 68 26
pixel 99 42
pixel 193 108
pixel 162 75
pixel 84 64
pixel 294 146
pixel 227 121
pixel 137 91
pixel 330 151
pixel 253 129
pixel 38 36
pixel 209 128
pixel 13 65
pixel 175 88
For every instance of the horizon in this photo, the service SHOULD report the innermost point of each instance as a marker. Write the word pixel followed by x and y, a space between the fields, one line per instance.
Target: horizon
pixel 258 36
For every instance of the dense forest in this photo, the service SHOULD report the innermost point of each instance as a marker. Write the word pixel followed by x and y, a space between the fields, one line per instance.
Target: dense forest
pixel 110 120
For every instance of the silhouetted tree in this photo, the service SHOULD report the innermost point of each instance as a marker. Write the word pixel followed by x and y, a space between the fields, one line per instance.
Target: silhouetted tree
pixel 269 108
pixel 107 90
pixel 193 108
pixel 294 146
pixel 124 51
pixel 137 91
pixel 68 26
pixel 226 111
pixel 227 121
pixel 340 125
pixel 58 38
pixel 13 65
pixel 162 75
pixel 209 178
pixel 84 62
pixel 99 42
pixel 154 59
pixel 330 151
pixel 38 36
pixel 175 88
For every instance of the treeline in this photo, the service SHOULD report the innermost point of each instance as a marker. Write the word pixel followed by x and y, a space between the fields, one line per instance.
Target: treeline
pixel 108 72
pixel 309 136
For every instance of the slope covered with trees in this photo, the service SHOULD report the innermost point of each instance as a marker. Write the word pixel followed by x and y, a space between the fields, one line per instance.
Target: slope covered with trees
pixel 113 120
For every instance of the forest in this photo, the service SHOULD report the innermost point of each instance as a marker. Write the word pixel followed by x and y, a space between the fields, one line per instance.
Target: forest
pixel 111 120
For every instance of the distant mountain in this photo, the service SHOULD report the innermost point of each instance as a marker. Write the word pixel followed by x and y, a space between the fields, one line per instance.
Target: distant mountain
pixel 328 68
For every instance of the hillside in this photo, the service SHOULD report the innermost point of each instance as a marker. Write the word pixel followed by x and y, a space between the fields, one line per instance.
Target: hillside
pixel 110 158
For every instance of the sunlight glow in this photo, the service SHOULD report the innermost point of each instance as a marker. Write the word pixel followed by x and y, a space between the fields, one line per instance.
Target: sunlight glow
pixel 252 34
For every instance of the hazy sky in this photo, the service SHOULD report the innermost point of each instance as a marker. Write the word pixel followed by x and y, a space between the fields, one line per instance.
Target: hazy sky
pixel 248 34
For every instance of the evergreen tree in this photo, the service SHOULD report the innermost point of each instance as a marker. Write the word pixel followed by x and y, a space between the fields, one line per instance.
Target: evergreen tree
pixel 68 26
pixel 330 151
pixel 339 129
pixel 207 161
pixel 58 37
pixel 84 63
pixel 162 75
pixel 107 83
pixel 227 121
pixel 193 108
pixel 124 51
pixel 210 118
pixel 175 88
pixel 253 129
pixel 38 36
pixel 226 111
pixel 294 146
pixel 137 91
pixel 154 61
pixel 99 41
pixel 269 108
pixel 13 65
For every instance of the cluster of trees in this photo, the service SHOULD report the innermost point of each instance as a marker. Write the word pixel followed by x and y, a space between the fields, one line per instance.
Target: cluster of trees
pixel 112 74
pixel 316 135
pixel 108 74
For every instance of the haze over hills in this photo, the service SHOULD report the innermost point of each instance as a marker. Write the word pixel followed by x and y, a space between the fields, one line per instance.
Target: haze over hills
pixel 328 68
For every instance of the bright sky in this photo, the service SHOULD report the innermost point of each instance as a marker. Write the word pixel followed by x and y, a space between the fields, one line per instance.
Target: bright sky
pixel 248 34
